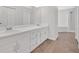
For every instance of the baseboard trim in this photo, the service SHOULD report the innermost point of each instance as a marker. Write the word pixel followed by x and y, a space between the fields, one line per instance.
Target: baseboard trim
pixel 77 40
pixel 78 44
pixel 37 46
pixel 66 31
pixel 53 37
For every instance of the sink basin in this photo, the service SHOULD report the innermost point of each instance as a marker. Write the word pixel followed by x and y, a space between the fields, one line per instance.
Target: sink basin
pixel 3 29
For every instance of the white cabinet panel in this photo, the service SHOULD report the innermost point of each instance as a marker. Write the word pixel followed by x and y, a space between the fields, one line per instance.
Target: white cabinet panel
pixel 38 36
pixel 44 34
pixel 8 48
pixel 35 39
pixel 8 45
pixel 23 42
pixel 15 15
pixel 7 16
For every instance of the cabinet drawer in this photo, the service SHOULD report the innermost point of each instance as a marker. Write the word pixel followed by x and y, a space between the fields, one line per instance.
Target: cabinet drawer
pixel 23 43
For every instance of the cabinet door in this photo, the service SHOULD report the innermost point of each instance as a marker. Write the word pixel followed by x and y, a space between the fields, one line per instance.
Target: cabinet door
pixel 44 34
pixel 23 43
pixel 8 48
pixel 7 16
pixel 8 45
pixel 33 39
pixel 38 37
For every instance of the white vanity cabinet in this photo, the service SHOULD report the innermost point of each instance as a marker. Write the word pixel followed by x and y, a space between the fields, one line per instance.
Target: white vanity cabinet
pixel 8 44
pixel 19 43
pixel 35 39
pixel 38 36
pixel 44 34
pixel 23 42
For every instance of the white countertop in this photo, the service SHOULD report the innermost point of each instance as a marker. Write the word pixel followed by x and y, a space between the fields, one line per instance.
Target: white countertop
pixel 15 31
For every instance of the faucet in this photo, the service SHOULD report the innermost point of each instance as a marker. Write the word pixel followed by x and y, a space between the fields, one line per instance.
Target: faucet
pixel 38 24
pixel 7 28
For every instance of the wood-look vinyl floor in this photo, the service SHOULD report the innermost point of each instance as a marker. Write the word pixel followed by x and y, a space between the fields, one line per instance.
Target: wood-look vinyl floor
pixel 65 43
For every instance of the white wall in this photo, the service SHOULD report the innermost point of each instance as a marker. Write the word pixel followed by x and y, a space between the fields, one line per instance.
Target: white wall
pixel 12 16
pixel 77 23
pixel 42 15
pixel 35 16
pixel 66 21
pixel 50 16
pixel 46 15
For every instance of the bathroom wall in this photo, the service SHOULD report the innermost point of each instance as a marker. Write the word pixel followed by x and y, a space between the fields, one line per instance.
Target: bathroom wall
pixel 3 16
pixel 36 15
pixel 46 15
pixel 66 22
pixel 26 15
pixel 77 23
pixel 11 15
pixel 49 15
